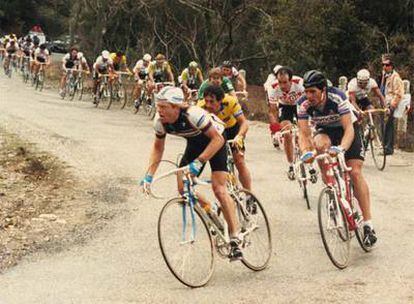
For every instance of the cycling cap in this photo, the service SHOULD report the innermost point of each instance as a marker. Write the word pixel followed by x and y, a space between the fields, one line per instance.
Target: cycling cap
pixel 363 75
pixel 171 94
pixel 276 68
pixel 193 65
pixel 147 57
pixel 105 54
pixel 227 64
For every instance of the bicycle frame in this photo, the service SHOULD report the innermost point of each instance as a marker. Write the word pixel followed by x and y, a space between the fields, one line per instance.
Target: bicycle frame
pixel 338 178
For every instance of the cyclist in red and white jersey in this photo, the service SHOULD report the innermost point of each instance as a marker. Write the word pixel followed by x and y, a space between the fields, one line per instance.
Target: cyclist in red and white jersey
pixel 282 99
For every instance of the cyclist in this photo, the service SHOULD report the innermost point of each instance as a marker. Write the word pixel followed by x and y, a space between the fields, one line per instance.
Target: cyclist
pixel 141 73
pixel 11 50
pixel 273 126
pixel 228 109
pixel 84 66
pixel 359 89
pixel 102 65
pixel 236 78
pixel 215 76
pixel 337 132
pixel 41 55
pixel 120 62
pixel 191 78
pixel 343 84
pixel 282 100
pixel 159 71
pixel 205 143
pixel 71 60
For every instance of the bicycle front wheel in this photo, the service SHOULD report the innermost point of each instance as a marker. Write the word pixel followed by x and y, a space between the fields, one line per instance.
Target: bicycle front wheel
pixel 186 244
pixel 303 183
pixel 257 244
pixel 111 96
pixel 122 96
pixel 377 147
pixel 333 228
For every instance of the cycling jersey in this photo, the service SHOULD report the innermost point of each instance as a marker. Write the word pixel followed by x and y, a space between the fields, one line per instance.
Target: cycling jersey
pixel 191 124
pixel 11 49
pixel 70 62
pixel 102 65
pixel 276 95
pixel 226 85
pixel 230 109
pixel 27 48
pixel 192 79
pixel 160 73
pixel 328 115
pixel 118 60
pixel 361 93
pixel 41 55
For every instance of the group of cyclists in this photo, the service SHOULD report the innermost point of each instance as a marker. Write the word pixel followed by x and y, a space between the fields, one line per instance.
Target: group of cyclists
pixel 326 117
pixel 14 52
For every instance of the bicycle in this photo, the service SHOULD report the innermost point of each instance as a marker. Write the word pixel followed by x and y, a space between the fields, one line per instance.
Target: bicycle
pixel 11 65
pixel 71 84
pixel 104 89
pixel 190 224
pixel 339 213
pixel 304 173
pixel 143 96
pixel 39 78
pixel 26 73
pixel 118 90
pixel 374 137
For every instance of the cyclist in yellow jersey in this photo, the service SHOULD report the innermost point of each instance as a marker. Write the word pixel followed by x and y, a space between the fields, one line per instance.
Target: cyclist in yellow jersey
pixel 119 61
pixel 191 78
pixel 159 71
pixel 228 109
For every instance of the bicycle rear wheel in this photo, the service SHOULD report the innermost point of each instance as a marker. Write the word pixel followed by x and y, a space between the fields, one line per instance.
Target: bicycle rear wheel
pixel 334 229
pixel 257 245
pixel 122 96
pixel 190 259
pixel 377 147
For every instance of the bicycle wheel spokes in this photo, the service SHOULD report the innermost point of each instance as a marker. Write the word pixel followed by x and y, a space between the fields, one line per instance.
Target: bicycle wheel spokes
pixel 377 149
pixel 188 250
pixel 257 245
pixel 334 229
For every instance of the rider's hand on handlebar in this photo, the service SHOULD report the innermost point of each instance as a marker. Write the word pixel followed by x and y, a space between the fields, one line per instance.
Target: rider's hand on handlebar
pixel 335 150
pixel 195 167
pixel 308 157
pixel 146 184
pixel 238 142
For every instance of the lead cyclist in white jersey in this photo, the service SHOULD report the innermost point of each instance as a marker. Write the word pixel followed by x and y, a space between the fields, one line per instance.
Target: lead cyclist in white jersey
pixel 359 89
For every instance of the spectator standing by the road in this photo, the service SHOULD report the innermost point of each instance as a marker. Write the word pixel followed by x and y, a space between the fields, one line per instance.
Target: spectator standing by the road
pixel 393 89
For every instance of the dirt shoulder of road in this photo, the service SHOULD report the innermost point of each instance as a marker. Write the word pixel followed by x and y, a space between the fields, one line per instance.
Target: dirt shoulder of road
pixel 42 205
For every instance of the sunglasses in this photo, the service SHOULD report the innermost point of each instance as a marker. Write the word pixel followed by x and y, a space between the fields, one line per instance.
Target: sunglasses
pixel 386 64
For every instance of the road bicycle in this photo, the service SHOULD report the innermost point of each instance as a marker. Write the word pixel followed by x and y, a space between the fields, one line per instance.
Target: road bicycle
pixel 304 173
pixel 118 91
pixel 104 90
pixel 26 73
pixel 374 130
pixel 39 78
pixel 191 235
pixel 71 84
pixel 12 65
pixel 339 214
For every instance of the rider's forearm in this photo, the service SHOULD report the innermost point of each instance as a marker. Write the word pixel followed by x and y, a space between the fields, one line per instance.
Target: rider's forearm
pixel 305 136
pixel 348 138
pixel 156 156
pixel 244 127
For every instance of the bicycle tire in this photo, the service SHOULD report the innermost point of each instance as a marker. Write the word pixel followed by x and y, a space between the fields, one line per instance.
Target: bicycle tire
pixel 304 185
pixel 72 90
pixel 248 259
pixel 170 231
pixel 339 264
pixel 80 89
pixel 111 96
pixel 376 144
pixel 124 97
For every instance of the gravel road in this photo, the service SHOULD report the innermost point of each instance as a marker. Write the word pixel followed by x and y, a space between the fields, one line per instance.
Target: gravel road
pixel 123 264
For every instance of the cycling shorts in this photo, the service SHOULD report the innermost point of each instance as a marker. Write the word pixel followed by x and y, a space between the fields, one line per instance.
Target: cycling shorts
pixel 287 112
pixel 193 149
pixel 364 103
pixel 335 134
pixel 41 59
